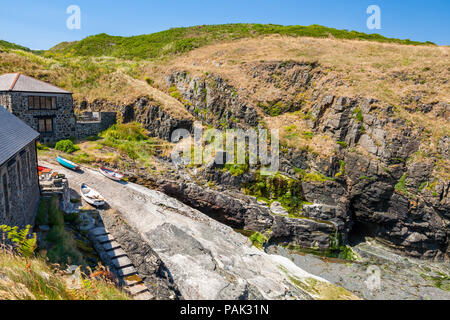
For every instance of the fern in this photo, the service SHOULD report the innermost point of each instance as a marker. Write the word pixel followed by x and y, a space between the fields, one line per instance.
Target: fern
pixel 24 244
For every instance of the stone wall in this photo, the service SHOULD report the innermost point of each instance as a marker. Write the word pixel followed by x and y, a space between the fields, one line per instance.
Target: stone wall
pixel 63 116
pixel 23 188
pixel 101 121
pixel 65 125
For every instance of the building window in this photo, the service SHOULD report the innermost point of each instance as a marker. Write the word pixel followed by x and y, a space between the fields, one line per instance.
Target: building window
pixel 6 193
pixel 45 125
pixel 41 103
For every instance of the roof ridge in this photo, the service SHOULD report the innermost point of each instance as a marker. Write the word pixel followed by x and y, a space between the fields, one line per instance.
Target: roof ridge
pixel 15 81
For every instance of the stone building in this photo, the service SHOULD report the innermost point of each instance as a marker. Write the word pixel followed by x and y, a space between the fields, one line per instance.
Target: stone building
pixel 19 184
pixel 47 109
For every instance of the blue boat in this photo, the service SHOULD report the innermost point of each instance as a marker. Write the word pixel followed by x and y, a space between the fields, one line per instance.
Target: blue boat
pixel 66 163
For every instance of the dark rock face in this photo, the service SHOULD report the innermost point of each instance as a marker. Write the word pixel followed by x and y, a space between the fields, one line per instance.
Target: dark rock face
pixel 230 210
pixel 402 221
pixel 303 232
pixel 153 118
pixel 214 101
pixel 242 212
pixel 288 74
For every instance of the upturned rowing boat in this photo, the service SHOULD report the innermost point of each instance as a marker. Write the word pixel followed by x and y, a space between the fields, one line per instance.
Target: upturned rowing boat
pixel 91 196
pixel 67 163
pixel 111 174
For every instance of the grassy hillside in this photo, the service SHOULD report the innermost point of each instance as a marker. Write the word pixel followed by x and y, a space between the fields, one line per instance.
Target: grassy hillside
pixel 8 45
pixel 180 40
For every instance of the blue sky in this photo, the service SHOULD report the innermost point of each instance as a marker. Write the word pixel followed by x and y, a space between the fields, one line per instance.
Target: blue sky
pixel 42 24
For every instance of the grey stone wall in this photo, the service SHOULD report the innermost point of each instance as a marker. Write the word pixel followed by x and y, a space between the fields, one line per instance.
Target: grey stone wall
pixel 91 128
pixel 65 125
pixel 63 116
pixel 23 194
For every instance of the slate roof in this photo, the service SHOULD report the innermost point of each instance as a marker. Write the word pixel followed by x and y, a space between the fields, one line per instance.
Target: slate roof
pixel 19 82
pixel 14 135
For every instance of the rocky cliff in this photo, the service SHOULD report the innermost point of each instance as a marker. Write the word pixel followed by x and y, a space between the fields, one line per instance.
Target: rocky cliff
pixel 381 179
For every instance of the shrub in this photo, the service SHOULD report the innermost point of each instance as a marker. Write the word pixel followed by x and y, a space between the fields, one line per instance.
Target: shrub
pixel 66 146
pixel 64 250
pixel 55 216
pixel 41 147
pixel 42 214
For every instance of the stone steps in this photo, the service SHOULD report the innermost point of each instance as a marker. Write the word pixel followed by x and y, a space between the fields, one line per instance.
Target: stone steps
pixel 128 274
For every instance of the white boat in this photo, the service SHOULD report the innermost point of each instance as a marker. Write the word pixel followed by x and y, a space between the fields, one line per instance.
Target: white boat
pixel 91 196
pixel 111 174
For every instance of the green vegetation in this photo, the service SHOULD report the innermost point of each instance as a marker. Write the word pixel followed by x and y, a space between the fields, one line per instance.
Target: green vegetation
pixel 9 45
pixel 258 240
pixel 422 186
pixel 173 91
pixel 311 176
pixel 26 277
pixel 181 40
pixel 366 178
pixel 279 188
pixel 131 140
pixel 41 147
pixel 439 280
pixel 66 146
pixel 42 214
pixel 34 279
pixel 341 170
pixel 308 134
pixel 237 169
pixel 275 108
pixel 337 250
pixel 401 185
pixel 149 81
pixel 61 244
pixel 81 158
pixel 343 144
pixel 24 244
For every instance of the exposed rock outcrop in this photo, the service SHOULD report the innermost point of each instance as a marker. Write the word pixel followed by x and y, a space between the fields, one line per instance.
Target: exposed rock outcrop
pixel 214 101
pixel 315 230
pixel 158 122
